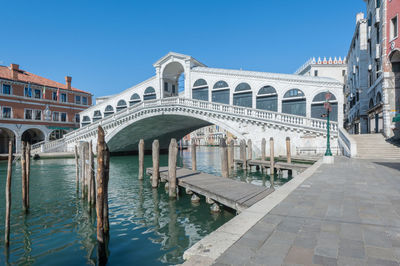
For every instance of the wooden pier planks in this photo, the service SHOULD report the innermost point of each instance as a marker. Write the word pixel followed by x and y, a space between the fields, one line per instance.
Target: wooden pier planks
pixel 232 193
pixel 278 165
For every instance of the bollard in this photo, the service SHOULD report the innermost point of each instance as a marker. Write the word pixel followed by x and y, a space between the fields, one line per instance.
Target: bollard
pixel 77 168
pixel 193 153
pixel 288 153
pixel 8 195
pixel 224 158
pixel 263 144
pixel 271 156
pixel 250 149
pixel 141 159
pixel 23 175
pixel 172 156
pixel 231 155
pixel 156 163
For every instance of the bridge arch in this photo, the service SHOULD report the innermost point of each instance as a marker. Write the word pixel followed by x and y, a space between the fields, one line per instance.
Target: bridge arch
pixel 121 105
pixel 33 135
pixel 200 90
pixel 294 102
pixel 86 120
pixel 243 95
pixel 6 135
pixel 135 98
pixel 109 110
pixel 97 115
pixel 171 75
pixel 221 92
pixel 318 109
pixel 267 99
pixel 149 94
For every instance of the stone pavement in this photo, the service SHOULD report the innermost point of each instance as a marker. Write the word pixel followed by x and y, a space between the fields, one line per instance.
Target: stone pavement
pixel 344 214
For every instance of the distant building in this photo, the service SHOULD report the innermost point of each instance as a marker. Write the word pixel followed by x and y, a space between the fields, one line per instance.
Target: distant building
pixel 373 87
pixel 34 108
pixel 209 135
pixel 335 68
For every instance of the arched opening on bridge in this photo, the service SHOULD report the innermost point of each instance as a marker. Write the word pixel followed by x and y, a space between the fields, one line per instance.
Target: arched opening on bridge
pixel 57 134
pixel 5 136
pixel 121 105
pixel 97 115
pixel 200 90
pixel 294 102
pixel 220 93
pixel 318 109
pixel 172 78
pixel 86 120
pixel 395 61
pixel 243 95
pixel 267 99
pixel 108 111
pixel 149 94
pixel 135 98
pixel 32 136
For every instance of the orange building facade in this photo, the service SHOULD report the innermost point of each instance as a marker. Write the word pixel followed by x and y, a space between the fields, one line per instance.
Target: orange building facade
pixel 35 109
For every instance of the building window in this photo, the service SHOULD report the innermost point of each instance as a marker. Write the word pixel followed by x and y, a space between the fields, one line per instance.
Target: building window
pixel 28 114
pixel 6 112
pixel 56 116
pixel 165 86
pixel 378 3
pixel 6 89
pixel 54 96
pixel 38 114
pixel 28 91
pixel 77 118
pixel 63 117
pixel 63 97
pixel 394 30
pixel 378 38
pixel 84 100
pixel 77 99
pixel 38 94
pixel 316 73
pixel 343 73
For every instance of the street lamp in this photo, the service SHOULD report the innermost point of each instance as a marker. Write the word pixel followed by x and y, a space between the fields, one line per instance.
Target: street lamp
pixel 328 108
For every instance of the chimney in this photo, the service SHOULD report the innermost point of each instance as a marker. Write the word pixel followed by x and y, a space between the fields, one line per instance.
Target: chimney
pixel 68 82
pixel 14 71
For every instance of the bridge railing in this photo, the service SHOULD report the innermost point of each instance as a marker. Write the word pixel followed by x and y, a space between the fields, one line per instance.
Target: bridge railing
pixel 296 120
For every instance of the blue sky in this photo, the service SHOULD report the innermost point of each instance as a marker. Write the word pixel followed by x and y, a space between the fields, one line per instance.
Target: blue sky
pixel 108 46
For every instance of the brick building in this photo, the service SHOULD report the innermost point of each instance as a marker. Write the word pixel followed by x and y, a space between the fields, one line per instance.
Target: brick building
pixel 34 108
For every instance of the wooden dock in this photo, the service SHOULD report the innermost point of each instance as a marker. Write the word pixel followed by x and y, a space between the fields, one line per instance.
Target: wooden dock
pixel 278 165
pixel 232 193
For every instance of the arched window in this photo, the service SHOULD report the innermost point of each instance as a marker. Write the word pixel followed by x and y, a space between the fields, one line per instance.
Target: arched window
pixel 371 103
pixel 108 111
pixel 97 115
pixel 243 95
pixel 200 90
pixel 220 93
pixel 121 105
pixel 135 98
pixel 149 94
pixel 85 120
pixel 267 99
pixel 294 102
pixel 378 98
pixel 318 109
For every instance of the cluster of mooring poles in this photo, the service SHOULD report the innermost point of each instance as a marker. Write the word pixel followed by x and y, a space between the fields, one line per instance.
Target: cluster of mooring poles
pixel 94 188
pixel 25 173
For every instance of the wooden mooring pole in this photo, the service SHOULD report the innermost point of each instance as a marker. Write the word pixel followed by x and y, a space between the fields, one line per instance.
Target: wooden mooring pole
pixel 271 156
pixel 231 155
pixel 23 175
pixel 288 152
pixel 92 182
pixel 193 153
pixel 103 159
pixel 77 168
pixel 28 172
pixel 172 157
pixel 243 153
pixel 141 159
pixel 250 149
pixel 263 145
pixel 156 163
pixel 8 195
pixel 224 158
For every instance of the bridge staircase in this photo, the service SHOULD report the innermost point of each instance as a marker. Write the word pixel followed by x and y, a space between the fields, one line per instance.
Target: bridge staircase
pixel 375 147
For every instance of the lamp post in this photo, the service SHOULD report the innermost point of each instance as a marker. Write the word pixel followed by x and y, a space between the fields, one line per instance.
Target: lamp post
pixel 328 108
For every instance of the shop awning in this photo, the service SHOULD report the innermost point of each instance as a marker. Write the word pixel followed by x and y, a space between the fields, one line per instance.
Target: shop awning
pixel 396 118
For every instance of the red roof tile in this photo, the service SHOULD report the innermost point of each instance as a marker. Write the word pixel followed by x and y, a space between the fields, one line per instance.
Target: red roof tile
pixel 24 76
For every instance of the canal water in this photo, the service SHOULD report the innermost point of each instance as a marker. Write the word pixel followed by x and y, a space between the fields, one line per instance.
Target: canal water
pixel 146 227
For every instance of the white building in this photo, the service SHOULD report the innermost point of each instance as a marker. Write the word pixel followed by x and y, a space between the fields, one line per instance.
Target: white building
pixel 335 68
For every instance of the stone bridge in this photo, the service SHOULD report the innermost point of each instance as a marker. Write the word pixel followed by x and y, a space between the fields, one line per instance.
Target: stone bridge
pixel 185 95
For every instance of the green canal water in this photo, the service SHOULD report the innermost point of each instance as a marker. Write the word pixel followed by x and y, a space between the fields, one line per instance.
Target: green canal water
pixel 146 227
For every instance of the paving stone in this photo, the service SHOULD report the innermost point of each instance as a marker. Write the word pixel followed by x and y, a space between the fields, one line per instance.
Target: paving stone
pixel 380 253
pixel 346 261
pixel 351 231
pixel 298 255
pixel 281 238
pixel 376 236
pixel 326 261
pixel 305 242
pixel 381 262
pixel 351 248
